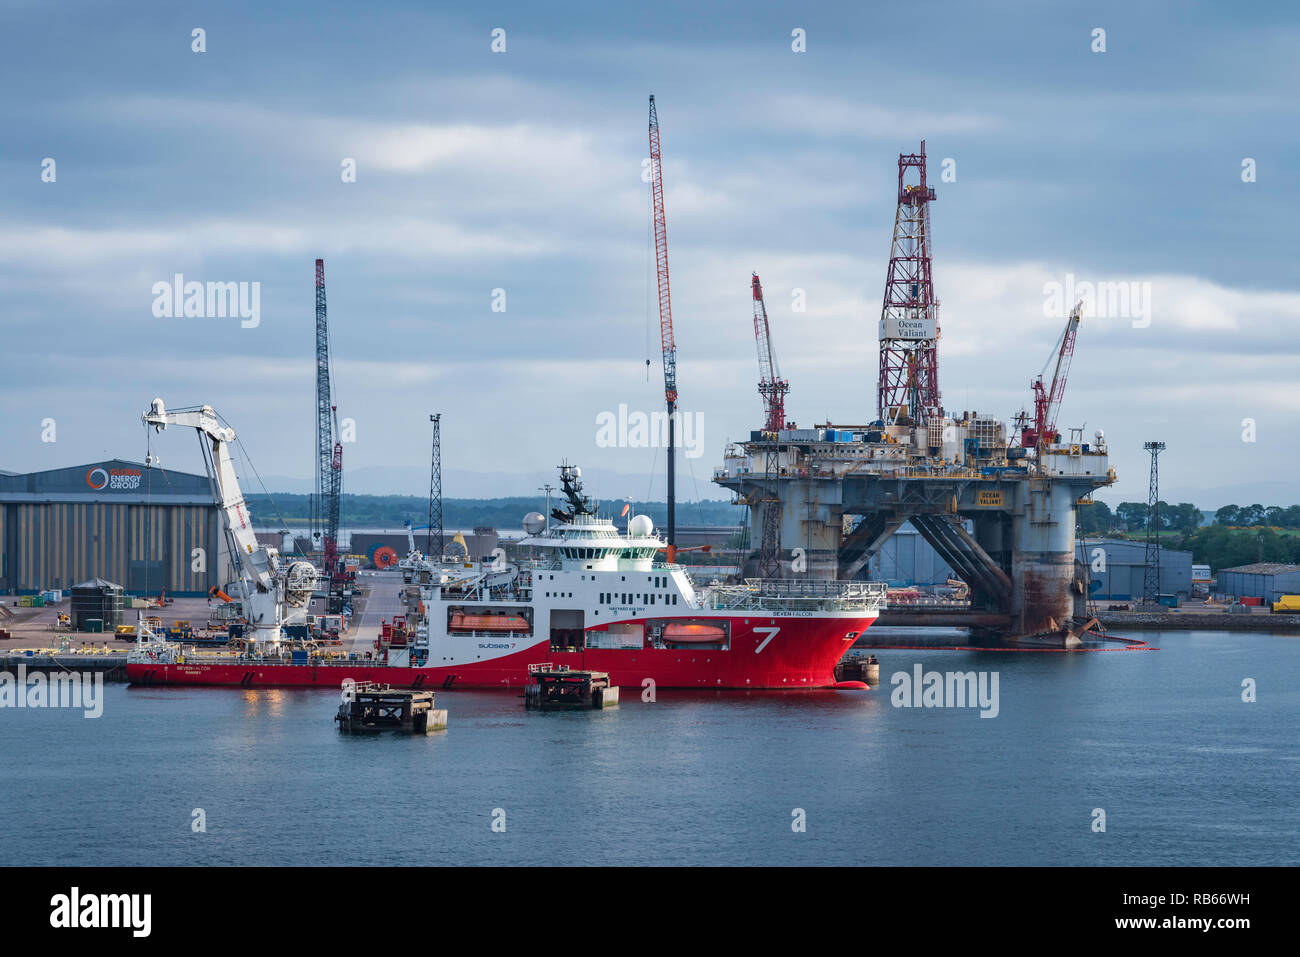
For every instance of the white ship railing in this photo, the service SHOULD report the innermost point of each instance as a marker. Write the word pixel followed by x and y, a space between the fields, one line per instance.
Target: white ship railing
pixel 795 594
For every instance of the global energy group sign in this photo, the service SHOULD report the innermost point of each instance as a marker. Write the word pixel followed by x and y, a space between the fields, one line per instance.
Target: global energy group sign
pixel 114 479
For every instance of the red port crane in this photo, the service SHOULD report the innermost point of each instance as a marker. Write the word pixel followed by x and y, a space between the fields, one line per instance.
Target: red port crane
pixel 665 323
pixel 770 384
pixel 1047 401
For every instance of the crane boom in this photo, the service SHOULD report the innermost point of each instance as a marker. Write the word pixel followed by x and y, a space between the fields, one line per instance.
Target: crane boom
pixel 665 322
pixel 1063 358
pixel 1047 398
pixel 329 450
pixel 266 586
pixel 661 260
pixel 229 496
pixel 771 386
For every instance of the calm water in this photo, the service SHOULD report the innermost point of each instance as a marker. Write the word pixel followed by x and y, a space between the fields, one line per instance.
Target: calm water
pixel 1186 772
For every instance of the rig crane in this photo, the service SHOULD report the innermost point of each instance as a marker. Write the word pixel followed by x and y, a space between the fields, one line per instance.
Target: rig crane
pixel 1047 400
pixel 272 593
pixel 773 389
pixel 771 386
pixel 329 451
pixel 665 324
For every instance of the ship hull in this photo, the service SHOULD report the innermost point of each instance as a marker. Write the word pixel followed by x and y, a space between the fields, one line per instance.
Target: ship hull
pixel 764 653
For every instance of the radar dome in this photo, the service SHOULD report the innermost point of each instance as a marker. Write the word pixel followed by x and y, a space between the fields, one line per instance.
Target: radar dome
pixel 640 526
pixel 534 523
pixel 576 472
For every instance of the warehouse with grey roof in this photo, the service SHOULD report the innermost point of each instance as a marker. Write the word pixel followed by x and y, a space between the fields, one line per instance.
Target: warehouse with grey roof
pixel 147 529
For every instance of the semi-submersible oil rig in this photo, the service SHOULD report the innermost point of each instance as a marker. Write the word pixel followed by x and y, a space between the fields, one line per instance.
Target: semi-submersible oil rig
pixel 997 502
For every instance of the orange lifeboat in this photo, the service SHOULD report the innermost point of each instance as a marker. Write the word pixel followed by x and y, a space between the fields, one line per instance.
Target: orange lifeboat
pixel 690 634
pixel 498 623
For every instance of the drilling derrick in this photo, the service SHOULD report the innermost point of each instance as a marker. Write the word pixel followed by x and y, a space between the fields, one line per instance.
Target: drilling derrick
pixel 329 452
pixel 665 324
pixel 772 388
pixel 908 387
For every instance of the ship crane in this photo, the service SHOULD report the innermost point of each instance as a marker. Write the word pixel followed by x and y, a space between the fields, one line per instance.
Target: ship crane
pixel 273 594
pixel 413 554
pixel 1047 400
pixel 665 324
pixel 771 386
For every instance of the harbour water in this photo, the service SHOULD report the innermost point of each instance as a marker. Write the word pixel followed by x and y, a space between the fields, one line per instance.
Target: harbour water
pixel 1185 771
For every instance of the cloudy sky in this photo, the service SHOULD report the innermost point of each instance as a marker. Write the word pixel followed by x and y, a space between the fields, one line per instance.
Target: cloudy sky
pixel 521 171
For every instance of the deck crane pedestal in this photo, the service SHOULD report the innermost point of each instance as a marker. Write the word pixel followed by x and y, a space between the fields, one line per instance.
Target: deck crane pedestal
pixel 273 593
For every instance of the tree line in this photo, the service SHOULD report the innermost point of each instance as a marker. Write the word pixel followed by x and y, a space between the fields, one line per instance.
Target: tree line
pixel 1184 517
pixel 1098 518
pixel 393 511
pixel 1238 534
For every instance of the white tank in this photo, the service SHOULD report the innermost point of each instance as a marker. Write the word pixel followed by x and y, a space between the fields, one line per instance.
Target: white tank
pixel 640 526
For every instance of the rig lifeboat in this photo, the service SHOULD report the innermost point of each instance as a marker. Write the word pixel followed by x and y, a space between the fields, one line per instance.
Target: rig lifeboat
pixel 500 623
pixel 688 634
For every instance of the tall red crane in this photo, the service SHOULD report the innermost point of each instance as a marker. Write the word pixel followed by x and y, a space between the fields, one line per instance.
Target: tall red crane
pixel 1047 400
pixel 665 323
pixel 329 449
pixel 770 384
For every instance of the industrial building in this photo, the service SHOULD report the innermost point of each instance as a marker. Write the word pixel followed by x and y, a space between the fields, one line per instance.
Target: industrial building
pixel 146 529
pixel 1117 569
pixel 1265 580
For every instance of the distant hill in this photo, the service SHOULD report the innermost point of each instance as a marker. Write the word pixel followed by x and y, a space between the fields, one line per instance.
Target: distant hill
pixel 293 508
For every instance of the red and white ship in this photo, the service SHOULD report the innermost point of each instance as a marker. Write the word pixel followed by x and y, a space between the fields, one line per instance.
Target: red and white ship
pixel 595 598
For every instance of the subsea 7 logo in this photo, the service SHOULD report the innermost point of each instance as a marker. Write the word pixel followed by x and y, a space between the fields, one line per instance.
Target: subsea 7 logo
pixel 770 632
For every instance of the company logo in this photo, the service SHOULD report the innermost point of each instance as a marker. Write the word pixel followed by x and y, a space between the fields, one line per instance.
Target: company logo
pixel 100 478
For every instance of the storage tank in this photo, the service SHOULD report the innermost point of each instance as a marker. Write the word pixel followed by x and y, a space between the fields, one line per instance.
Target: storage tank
pixel 96 600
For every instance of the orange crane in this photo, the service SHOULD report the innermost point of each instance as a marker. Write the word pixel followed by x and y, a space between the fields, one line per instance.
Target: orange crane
pixel 771 386
pixel 665 323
